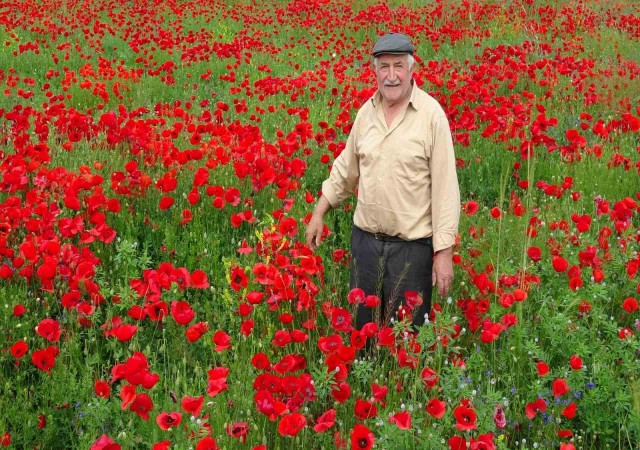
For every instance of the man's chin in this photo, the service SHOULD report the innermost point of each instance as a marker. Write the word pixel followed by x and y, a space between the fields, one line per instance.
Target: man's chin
pixel 391 97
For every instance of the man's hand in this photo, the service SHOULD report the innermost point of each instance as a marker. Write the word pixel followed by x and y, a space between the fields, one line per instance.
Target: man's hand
pixel 315 227
pixel 314 230
pixel 442 273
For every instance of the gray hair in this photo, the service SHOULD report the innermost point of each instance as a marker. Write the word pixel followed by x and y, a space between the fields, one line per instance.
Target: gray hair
pixel 410 61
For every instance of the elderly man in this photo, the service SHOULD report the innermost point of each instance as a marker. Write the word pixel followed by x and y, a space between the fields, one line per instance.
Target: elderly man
pixel 399 156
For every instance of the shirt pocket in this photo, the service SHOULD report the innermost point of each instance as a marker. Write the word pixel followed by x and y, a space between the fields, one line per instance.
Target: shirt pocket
pixel 409 161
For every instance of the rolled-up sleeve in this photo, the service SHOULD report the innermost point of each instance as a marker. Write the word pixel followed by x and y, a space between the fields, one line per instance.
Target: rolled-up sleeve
pixel 345 172
pixel 445 206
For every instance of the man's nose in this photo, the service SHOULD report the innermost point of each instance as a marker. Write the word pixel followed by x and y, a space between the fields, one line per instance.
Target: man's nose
pixel 392 74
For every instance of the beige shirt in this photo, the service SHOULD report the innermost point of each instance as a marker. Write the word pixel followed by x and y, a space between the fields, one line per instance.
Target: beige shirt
pixel 405 174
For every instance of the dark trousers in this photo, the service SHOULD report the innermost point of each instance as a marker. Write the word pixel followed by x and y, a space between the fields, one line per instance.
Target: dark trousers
pixel 388 267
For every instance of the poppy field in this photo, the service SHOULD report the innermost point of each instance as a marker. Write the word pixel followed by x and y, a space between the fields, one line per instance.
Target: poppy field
pixel 159 161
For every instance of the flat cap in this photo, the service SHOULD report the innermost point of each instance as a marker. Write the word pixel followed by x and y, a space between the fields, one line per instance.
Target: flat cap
pixel 394 43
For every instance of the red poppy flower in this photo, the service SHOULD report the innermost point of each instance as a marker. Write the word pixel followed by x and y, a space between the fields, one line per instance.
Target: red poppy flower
pixel 162 445
pixel 625 333
pixel 260 361
pixel 386 337
pixel 470 208
pixel 123 333
pixel 341 319
pixel 520 295
pixel 378 392
pixel 18 310
pixel 102 389
pixel 246 327
pixel 570 411
pixel 484 442
pixel 535 407
pixel 167 420
pixel 141 405
pixel 299 336
pixel 457 443
pixel 45 359
pixel 490 331
pixel 328 344
pixel 436 408
pixel 268 405
pixel 369 329
pixel 217 380
pixel 195 332
pixel 630 304
pixel 598 275
pixel 576 362
pixel 207 443
pixel 238 278
pixel 575 283
pixel 356 296
pixel 559 264
pixel 137 312
pixel 286 364
pixel 364 409
pixel 506 300
pixel 402 420
pixel 49 329
pixel 104 442
pixel 199 279
pixel 128 395
pixel 181 312
pixel 337 366
pixel 255 297
pixel 192 405
pixel 222 341
pixel 362 438
pixel 341 392
pixel 244 248
pixel 465 418
pixel 560 387
pixel 542 368
pixel 166 202
pixel 429 377
pixel 291 424
pixel 372 301
pixel 238 430
pixel 325 421
pixel 509 320
pixel 187 216
pixel 357 339
pixel 412 299
pixel 19 349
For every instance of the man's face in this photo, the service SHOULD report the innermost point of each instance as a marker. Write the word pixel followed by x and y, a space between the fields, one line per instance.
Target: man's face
pixel 394 78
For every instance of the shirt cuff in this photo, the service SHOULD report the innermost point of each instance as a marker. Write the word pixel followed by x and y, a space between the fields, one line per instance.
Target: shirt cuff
pixel 442 240
pixel 330 193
